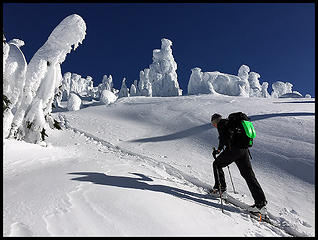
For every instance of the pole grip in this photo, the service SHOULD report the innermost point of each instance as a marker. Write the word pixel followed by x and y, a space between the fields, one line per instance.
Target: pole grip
pixel 213 154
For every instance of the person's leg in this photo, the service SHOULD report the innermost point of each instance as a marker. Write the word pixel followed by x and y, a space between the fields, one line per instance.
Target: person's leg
pixel 223 160
pixel 245 168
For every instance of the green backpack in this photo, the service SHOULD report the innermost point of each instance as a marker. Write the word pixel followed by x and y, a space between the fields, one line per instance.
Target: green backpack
pixel 243 130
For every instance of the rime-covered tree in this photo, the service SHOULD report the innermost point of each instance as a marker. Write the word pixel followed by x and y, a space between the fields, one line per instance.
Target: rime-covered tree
pixel 123 92
pixel 14 72
pixel 162 73
pixel 280 88
pixel 43 76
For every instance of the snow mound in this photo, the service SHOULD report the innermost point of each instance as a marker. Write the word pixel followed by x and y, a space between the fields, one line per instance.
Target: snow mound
pixel 108 97
pixel 74 102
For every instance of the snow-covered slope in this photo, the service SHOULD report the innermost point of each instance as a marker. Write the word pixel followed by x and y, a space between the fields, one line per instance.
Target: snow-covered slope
pixel 137 168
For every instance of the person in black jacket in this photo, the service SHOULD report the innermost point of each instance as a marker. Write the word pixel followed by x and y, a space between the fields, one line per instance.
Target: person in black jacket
pixel 233 152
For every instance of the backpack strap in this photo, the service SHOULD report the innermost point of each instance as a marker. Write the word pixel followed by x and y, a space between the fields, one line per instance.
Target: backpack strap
pixel 249 153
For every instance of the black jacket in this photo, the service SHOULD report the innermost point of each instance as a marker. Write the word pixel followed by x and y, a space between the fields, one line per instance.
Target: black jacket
pixel 225 134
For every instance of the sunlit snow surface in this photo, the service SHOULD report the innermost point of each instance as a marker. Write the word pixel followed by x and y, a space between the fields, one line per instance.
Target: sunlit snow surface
pixel 136 168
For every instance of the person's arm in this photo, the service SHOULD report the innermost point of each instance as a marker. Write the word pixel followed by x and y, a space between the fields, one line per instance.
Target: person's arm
pixel 224 136
pixel 222 140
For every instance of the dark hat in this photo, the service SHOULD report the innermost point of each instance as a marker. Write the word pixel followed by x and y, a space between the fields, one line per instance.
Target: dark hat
pixel 216 117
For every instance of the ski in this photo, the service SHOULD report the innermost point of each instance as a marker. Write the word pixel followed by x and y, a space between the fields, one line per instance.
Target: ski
pixel 265 218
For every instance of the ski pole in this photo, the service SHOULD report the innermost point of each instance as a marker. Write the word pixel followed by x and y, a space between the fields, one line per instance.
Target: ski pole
pixel 231 179
pixel 220 192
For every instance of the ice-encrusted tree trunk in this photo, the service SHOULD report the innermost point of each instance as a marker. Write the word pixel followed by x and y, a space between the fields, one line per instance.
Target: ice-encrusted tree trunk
pixel 162 73
pixel 43 76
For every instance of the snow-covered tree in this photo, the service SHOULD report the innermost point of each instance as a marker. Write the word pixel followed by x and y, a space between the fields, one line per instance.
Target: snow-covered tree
pixel 201 83
pixel 108 81
pixel 123 90
pixel 216 83
pixel 133 90
pixel 66 85
pixel 243 83
pixel 162 73
pixel 255 86
pixel 43 76
pixel 264 92
pixel 89 86
pixel 106 84
pixel 145 86
pixel 73 82
pixel 280 88
pixel 243 72
pixel 14 74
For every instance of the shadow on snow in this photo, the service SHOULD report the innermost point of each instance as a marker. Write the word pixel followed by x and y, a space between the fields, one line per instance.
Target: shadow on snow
pixel 140 183
pixel 202 128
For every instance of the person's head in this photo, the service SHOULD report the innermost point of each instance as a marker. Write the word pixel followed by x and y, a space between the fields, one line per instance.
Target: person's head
pixel 215 119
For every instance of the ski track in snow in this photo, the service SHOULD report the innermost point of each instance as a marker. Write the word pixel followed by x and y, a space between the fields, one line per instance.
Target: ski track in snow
pixel 166 171
pixel 154 164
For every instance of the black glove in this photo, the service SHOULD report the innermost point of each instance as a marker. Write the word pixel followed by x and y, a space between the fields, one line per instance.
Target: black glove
pixel 215 152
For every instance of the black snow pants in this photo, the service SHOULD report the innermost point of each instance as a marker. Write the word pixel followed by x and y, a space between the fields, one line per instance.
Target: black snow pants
pixel 241 157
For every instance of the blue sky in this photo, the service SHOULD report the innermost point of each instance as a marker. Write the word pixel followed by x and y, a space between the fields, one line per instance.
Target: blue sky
pixel 274 40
